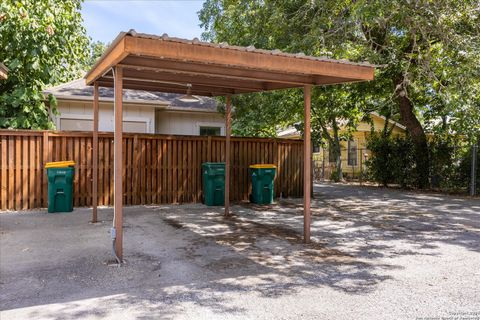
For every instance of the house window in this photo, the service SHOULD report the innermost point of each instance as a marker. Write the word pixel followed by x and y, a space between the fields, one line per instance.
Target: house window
pixel 135 126
pixel 210 131
pixel 76 124
pixel 316 148
pixel 71 124
pixel 352 153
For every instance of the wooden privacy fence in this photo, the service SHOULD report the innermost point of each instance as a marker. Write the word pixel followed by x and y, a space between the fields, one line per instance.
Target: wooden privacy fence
pixel 157 168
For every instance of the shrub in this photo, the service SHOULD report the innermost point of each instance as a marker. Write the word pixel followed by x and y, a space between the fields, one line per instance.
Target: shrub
pixel 391 160
pixel 335 176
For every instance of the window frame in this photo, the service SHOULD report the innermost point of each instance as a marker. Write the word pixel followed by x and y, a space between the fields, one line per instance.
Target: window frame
pixel 200 127
pixel 352 161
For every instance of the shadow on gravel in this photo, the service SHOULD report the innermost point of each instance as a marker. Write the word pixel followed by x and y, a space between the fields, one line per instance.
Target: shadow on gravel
pixel 416 218
pixel 192 254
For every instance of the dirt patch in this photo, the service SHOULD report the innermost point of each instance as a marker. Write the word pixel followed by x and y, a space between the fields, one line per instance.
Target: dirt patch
pixel 281 205
pixel 253 229
pixel 271 245
pixel 229 263
pixel 173 223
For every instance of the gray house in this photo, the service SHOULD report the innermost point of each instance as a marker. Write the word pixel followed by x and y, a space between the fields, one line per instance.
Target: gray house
pixel 143 111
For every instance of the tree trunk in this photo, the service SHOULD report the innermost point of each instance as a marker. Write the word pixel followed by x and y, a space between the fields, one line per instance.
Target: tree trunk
pixel 337 151
pixel 419 138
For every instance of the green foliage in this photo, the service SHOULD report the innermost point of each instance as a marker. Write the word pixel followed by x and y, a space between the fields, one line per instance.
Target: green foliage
pixel 451 163
pixel 97 48
pixel 464 171
pixel 277 110
pixel 391 159
pixel 43 43
pixel 335 176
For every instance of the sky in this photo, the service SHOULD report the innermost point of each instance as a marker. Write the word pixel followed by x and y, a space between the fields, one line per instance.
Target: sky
pixel 104 19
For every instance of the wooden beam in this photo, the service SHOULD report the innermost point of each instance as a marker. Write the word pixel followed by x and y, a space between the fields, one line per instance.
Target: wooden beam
pixel 269 80
pixel 195 80
pixel 117 156
pixel 224 90
pixel 198 69
pixel 228 111
pixel 46 157
pixel 307 163
pixel 174 88
pixel 159 88
pixel 95 154
pixel 241 58
pixel 116 54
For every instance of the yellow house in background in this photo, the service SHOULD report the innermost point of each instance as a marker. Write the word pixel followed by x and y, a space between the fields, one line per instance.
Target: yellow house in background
pixel 353 152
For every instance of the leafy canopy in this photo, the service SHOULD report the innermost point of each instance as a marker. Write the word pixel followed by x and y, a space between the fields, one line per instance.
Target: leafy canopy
pixel 43 43
pixel 427 51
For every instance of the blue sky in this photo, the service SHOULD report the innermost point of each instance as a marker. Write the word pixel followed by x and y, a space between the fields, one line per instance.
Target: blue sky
pixel 104 19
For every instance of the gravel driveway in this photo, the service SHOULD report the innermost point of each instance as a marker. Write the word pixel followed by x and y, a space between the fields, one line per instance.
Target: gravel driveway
pixel 377 254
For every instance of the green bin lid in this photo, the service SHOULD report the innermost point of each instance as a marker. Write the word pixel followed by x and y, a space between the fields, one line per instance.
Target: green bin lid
pixel 263 166
pixel 59 164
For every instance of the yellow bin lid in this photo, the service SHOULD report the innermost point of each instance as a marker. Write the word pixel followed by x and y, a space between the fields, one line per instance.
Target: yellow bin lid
pixel 263 166
pixel 59 164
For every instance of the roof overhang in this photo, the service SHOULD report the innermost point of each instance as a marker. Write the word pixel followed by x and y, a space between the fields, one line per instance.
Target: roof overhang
pixel 168 64
pixel 3 71
pixel 158 103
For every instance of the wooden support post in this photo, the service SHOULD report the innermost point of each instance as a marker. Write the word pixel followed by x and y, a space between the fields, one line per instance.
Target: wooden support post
pixel 307 162
pixel 95 154
pixel 227 155
pixel 117 155
pixel 45 158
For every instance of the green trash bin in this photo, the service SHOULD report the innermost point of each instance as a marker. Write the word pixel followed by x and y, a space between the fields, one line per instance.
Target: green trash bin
pixel 213 183
pixel 263 176
pixel 60 186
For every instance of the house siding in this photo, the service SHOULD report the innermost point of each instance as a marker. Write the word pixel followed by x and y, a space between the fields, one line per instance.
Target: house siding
pixel 84 111
pixel 157 120
pixel 186 123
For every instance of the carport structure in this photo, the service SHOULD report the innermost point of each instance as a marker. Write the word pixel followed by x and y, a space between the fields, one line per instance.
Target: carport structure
pixel 166 64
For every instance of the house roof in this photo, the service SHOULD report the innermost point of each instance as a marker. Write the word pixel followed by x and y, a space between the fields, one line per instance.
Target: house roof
pixel 397 124
pixel 78 90
pixel 167 64
pixel 291 131
pixel 3 71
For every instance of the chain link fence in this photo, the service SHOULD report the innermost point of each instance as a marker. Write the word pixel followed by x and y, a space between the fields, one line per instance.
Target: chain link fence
pixel 353 164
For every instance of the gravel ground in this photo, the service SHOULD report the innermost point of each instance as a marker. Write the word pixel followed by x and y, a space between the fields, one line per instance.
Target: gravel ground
pixel 377 254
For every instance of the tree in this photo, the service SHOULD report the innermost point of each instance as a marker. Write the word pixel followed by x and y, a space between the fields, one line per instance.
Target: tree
pixel 97 48
pixel 43 43
pixel 421 47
